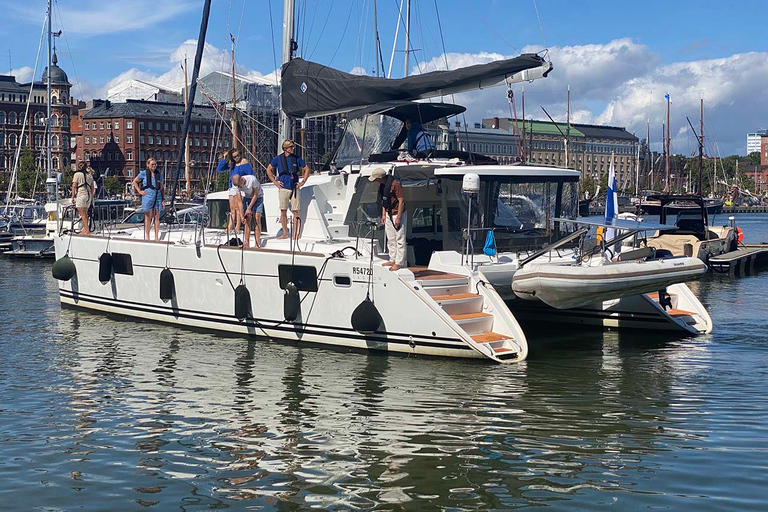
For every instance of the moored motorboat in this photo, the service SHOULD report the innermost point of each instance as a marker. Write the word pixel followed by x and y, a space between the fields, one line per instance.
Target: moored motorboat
pixel 571 285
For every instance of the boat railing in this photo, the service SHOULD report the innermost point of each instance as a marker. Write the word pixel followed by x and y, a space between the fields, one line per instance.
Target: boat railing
pixel 563 241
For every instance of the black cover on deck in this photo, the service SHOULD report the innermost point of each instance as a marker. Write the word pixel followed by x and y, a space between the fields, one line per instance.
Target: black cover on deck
pixel 310 89
pixel 402 110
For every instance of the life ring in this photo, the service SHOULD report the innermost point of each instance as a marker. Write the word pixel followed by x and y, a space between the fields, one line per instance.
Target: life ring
pixel 739 235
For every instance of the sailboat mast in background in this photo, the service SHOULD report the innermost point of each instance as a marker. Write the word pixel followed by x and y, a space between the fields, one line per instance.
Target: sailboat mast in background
pixel 288 47
pixel 666 179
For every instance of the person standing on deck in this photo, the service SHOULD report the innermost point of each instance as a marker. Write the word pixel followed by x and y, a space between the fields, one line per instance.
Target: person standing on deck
pixel 83 192
pixel 288 166
pixel 393 216
pixel 226 163
pixel 149 185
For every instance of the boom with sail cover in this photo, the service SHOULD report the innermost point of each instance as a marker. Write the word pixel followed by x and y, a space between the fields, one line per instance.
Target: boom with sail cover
pixel 310 89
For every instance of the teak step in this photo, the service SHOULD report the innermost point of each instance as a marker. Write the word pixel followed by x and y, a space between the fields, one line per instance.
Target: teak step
pixel 680 312
pixel 455 296
pixel 470 316
pixel 655 295
pixel 490 337
pixel 424 275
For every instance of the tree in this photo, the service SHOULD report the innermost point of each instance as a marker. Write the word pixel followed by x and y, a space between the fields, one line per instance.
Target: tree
pixel 222 180
pixel 28 174
pixel 587 185
pixel 753 158
pixel 112 185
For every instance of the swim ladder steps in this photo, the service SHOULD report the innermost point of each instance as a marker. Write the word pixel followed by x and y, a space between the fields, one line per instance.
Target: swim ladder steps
pixel 474 323
pixel 453 294
pixel 460 303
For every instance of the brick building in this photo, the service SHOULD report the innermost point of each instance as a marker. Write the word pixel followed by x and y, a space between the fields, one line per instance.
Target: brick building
pixel 589 150
pixel 13 104
pixel 118 138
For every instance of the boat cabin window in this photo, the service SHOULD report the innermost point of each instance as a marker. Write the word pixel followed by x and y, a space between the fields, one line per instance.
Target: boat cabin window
pixel 520 211
pixel 365 136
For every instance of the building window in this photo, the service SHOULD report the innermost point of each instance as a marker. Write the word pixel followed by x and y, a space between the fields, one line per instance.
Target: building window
pixel 101 139
pixel 197 128
pixel 87 125
pixel 101 125
pixel 12 118
pixel 109 156
pixel 117 139
pixel 141 139
pixel 129 138
pixel 174 141
pixel 129 125
pixel 117 125
pixel 150 125
pixel 141 125
pixel 165 126
pixel 129 155
pixel 109 125
pixel 87 140
pixel 151 139
pixel 167 140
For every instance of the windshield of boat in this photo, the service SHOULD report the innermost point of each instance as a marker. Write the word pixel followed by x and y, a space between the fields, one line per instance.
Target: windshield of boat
pixel 366 136
pixel 519 210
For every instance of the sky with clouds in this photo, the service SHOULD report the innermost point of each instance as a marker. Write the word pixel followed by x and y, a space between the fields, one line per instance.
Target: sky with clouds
pixel 618 58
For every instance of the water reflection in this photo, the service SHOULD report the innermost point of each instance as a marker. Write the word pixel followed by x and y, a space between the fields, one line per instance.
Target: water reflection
pixel 122 414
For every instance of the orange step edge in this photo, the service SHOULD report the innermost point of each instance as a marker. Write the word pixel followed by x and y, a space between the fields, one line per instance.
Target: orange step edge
pixel 455 296
pixel 490 337
pixel 468 316
pixel 679 312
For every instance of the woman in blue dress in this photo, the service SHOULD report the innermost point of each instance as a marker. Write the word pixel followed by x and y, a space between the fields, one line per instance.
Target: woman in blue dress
pixel 149 185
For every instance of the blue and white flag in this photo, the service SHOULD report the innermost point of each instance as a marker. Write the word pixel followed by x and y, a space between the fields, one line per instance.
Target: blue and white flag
pixel 611 204
pixel 666 97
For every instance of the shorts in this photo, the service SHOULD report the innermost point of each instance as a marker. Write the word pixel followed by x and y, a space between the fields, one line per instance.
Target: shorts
pixel 258 206
pixel 83 201
pixel 286 199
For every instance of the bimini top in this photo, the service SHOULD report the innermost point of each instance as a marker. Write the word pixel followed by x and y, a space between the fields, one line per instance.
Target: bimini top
pixel 402 110
pixel 310 89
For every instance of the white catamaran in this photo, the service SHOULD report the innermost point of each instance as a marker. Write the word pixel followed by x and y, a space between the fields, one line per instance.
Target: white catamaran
pixel 331 287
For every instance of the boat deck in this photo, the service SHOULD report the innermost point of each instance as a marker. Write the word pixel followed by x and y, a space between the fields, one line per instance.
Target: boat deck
pixel 742 261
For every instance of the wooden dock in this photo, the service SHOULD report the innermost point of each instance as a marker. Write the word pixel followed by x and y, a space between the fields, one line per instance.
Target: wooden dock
pixel 741 262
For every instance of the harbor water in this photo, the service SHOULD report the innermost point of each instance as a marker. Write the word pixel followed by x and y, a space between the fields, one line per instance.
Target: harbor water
pixel 101 413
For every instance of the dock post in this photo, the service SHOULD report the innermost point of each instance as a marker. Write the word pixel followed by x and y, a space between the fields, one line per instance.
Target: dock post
pixel 732 268
pixel 742 266
pixel 752 259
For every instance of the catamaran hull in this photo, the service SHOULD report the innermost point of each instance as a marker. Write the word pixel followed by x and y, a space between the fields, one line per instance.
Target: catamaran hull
pixel 567 286
pixel 204 297
pixel 643 311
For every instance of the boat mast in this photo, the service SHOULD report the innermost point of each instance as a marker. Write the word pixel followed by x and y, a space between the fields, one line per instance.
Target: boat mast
pixel 568 127
pixel 234 97
pixel 376 42
pixel 288 48
pixel 191 97
pixel 701 141
pixel 666 184
pixel 48 159
pixel 407 34
pixel 522 140
pixel 186 146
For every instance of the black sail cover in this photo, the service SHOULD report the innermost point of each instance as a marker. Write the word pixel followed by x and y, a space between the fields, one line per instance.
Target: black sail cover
pixel 310 89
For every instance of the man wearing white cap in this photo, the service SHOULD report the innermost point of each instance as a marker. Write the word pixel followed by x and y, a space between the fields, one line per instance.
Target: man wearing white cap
pixel 393 216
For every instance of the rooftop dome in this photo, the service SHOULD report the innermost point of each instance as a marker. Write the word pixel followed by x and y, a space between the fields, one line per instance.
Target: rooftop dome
pixel 58 76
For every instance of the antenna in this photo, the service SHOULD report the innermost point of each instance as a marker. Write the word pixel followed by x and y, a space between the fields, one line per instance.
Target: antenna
pixel 10 63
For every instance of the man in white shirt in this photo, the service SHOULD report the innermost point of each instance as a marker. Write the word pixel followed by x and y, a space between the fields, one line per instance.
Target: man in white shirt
pixel 253 201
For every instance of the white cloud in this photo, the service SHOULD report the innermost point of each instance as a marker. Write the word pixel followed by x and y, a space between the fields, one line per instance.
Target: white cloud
pixel 93 17
pixel 214 59
pixel 620 83
pixel 22 74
